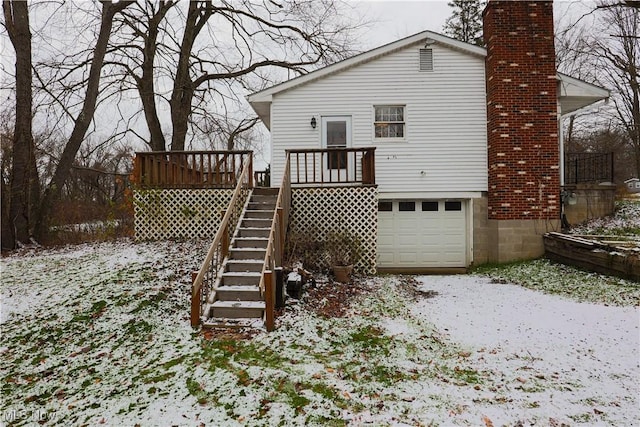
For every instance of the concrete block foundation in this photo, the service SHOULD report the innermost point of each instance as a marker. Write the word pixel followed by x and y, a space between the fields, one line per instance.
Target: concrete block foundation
pixel 514 240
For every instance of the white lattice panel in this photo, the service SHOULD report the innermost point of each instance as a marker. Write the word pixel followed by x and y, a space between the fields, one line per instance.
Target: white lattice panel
pixel 337 209
pixel 179 213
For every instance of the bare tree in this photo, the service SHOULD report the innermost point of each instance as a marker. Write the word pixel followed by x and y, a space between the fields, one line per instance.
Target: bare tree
pixel 83 119
pixel 24 187
pixel 617 55
pixel 218 51
pixel 602 47
pixel 574 57
pixel 144 22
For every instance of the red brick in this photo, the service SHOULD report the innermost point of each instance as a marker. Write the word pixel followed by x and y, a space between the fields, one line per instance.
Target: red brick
pixel 519 32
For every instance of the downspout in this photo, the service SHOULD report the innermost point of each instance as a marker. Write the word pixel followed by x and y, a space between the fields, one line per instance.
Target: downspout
pixel 564 224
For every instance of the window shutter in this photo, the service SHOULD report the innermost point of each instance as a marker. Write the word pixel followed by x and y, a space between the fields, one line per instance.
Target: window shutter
pixel 426 59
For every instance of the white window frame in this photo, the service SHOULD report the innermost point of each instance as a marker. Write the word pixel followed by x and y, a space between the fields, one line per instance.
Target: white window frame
pixel 403 122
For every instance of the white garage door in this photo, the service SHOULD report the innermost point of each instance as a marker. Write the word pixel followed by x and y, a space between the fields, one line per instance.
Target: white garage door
pixel 422 234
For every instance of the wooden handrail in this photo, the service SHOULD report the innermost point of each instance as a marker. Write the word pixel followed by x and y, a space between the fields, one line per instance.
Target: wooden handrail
pixel 275 247
pixel 218 251
pixel 313 166
pixel 189 169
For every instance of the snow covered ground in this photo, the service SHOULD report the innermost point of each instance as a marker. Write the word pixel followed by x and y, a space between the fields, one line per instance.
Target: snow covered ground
pixel 558 359
pixel 99 334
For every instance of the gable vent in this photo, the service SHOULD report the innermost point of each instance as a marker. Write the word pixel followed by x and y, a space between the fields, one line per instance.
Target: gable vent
pixel 426 59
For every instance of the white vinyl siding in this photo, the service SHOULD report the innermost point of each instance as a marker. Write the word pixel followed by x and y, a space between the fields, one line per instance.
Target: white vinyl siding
pixel 445 147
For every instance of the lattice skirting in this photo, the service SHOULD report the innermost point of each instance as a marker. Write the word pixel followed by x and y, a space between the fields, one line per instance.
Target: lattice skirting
pixel 322 211
pixel 179 213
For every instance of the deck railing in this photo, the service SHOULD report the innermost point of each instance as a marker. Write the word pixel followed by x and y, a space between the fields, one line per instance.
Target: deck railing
pixel 588 167
pixel 262 178
pixel 189 169
pixel 206 280
pixel 350 166
pixel 275 248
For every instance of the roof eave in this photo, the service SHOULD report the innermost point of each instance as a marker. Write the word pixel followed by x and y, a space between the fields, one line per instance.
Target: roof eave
pixel 575 94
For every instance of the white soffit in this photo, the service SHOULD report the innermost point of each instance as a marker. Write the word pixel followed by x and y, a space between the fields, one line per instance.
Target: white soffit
pixel 575 94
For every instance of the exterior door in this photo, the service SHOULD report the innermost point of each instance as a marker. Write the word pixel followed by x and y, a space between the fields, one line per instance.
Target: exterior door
pixel 336 133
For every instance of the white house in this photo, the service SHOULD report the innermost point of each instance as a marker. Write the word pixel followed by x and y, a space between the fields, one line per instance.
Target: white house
pixel 423 103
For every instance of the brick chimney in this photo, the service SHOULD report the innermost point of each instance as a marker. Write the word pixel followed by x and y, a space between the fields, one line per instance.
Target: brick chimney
pixel 522 116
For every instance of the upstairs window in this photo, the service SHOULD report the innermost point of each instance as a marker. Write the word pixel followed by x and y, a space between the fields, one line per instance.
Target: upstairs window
pixel 389 121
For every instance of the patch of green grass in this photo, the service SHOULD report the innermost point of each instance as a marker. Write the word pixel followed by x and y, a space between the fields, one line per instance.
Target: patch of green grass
pixel 387 375
pixel 372 340
pixel 466 375
pixel 320 420
pixel 291 393
pixel 173 362
pixel 160 377
pixel 582 418
pixel 193 387
pixel 552 278
pixel 150 303
pixel 135 327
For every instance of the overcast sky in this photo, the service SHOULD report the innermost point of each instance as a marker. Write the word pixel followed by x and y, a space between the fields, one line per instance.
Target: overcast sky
pixel 397 19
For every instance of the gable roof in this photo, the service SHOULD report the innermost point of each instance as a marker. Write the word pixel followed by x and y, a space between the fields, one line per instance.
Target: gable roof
pixel 261 101
pixel 573 94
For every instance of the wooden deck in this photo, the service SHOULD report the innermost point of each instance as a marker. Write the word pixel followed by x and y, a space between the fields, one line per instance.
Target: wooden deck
pixel 190 169
pixel 332 166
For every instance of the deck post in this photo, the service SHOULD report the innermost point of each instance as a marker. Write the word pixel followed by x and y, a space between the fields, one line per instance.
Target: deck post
pixel 269 300
pixel 195 301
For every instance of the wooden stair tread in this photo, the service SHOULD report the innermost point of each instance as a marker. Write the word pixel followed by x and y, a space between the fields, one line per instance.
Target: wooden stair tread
pixel 240 322
pixel 239 304
pixel 233 249
pixel 241 274
pixel 245 261
pixel 241 288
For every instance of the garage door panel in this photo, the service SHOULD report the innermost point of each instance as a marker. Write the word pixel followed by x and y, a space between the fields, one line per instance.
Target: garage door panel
pixel 407 257
pixel 422 238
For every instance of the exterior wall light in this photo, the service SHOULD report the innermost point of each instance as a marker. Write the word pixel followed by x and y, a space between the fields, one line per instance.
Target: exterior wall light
pixel 313 122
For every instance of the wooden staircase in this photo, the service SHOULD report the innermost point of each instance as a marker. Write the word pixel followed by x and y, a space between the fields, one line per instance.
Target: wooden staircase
pixel 238 299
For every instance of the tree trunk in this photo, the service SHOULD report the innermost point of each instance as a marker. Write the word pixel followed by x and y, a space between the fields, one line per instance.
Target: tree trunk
pixel 82 122
pixel 183 87
pixel 146 85
pixel 24 186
